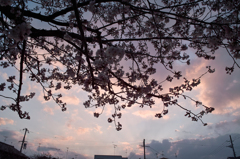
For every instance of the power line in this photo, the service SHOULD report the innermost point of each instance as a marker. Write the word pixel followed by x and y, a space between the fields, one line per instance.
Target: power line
pixel 218 148
pixel 154 149
pixel 236 138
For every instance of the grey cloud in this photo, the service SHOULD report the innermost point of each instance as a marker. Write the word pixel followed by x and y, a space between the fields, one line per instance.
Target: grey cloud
pixel 8 133
pixel 43 148
pixel 133 155
pixel 237 121
pixel 10 137
pixel 208 148
pixel 222 124
pixel 226 124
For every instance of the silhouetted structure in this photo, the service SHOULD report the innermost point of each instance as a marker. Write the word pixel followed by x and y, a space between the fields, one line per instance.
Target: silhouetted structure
pixel 234 157
pixel 9 152
pixel 109 157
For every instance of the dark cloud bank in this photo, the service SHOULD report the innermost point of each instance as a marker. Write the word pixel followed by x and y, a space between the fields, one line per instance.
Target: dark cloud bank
pixel 211 148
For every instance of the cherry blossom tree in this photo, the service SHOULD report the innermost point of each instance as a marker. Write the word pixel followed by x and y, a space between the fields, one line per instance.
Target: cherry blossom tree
pixel 113 48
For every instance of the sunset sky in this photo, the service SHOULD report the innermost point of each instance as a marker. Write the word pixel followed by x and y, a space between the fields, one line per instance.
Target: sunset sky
pixel 53 131
pixel 76 133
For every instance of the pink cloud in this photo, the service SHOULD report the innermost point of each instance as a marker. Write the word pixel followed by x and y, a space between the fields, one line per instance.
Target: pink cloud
pixel 218 90
pixel 69 123
pixel 4 75
pixel 145 113
pixel 5 121
pixel 81 130
pixel 97 128
pixel 148 114
pixel 49 110
pixel 64 138
pixel 181 126
pixel 70 100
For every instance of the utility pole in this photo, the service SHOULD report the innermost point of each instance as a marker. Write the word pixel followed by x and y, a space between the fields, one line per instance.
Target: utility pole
pixel 144 148
pixel 39 146
pixel 114 146
pixel 38 149
pixel 26 130
pixel 232 146
pixel 67 153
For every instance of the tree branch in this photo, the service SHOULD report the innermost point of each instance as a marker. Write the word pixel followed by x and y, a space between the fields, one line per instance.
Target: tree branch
pixel 20 79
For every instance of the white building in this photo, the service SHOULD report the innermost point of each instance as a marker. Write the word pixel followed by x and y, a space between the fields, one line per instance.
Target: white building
pixel 109 157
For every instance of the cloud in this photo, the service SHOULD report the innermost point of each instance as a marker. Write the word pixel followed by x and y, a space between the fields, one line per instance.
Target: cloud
pixel 125 143
pixel 144 113
pixel 5 121
pixel 43 148
pixel 49 110
pixel 69 123
pixel 205 148
pixel 11 137
pixel 97 128
pixel 70 100
pixel 181 126
pixel 4 75
pixel 9 133
pixel 64 138
pixel 226 124
pixel 221 124
pixel 218 90
pixel 148 114
pixel 134 155
pixel 81 130
pixel 68 97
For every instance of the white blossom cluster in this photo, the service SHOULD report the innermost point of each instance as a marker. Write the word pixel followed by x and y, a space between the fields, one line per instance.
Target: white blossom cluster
pixel 114 54
pixel 67 37
pixel 91 6
pixel 6 2
pixel 110 56
pixel 20 32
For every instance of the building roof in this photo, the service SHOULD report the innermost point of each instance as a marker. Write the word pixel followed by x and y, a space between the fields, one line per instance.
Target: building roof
pixel 11 150
pixel 109 157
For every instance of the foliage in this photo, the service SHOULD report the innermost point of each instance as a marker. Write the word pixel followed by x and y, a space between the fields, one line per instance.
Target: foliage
pixel 112 49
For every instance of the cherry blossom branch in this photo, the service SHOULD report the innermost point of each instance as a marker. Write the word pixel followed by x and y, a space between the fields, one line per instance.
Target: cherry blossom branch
pixel 235 62
pixel 62 105
pixel 190 112
pixel 8 97
pixel 141 9
pixel 152 38
pixel 20 79
pixel 82 4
